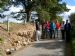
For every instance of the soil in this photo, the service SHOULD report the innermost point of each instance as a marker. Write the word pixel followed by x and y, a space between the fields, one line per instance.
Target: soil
pixel 18 36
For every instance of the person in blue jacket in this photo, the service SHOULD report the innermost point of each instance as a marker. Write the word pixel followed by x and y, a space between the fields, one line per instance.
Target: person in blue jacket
pixel 52 29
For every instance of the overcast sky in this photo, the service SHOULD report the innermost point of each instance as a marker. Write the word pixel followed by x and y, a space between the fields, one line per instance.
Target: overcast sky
pixel 71 6
pixel 8 13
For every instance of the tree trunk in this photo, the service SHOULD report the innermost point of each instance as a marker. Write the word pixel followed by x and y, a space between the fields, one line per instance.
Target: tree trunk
pixel 28 16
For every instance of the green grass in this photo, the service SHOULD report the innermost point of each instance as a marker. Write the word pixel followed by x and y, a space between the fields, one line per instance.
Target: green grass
pixel 73 41
pixel 73 46
pixel 1 39
pixel 1 52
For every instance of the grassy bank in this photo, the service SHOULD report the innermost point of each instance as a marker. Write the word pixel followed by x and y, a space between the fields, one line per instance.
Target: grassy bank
pixel 73 42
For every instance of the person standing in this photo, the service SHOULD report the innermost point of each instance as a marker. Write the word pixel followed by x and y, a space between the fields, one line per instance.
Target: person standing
pixel 48 29
pixel 38 31
pixel 44 29
pixel 52 28
pixel 67 30
pixel 57 27
pixel 63 30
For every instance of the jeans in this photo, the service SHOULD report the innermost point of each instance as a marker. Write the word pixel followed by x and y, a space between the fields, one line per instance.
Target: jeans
pixel 38 35
pixel 48 34
pixel 63 34
pixel 52 33
pixel 68 39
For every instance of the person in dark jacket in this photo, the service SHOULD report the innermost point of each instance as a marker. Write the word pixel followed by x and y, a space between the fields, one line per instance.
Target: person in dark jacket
pixel 67 30
pixel 37 26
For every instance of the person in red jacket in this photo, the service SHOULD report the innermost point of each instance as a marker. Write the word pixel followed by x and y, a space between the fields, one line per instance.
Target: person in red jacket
pixel 57 27
pixel 48 25
pixel 48 29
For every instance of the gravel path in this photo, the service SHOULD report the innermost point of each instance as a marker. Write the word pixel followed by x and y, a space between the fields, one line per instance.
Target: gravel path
pixel 43 48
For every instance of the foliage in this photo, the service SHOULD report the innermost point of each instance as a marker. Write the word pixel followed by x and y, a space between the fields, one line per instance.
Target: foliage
pixel 72 19
pixel 27 5
pixel 44 15
pixel 1 39
pixel 54 7
pixel 45 7
pixel 4 2
pixel 59 19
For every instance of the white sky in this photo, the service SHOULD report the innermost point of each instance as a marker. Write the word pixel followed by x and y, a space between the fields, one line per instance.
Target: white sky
pixel 11 9
pixel 66 14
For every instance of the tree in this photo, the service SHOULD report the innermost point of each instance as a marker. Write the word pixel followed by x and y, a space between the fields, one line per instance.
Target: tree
pixel 72 19
pixel 53 7
pixel 44 15
pixel 3 2
pixel 27 5
pixel 3 6
pixel 59 18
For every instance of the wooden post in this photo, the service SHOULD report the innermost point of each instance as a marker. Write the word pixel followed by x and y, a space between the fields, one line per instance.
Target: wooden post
pixel 8 23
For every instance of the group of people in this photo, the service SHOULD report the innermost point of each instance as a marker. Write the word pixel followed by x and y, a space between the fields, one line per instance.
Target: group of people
pixel 51 30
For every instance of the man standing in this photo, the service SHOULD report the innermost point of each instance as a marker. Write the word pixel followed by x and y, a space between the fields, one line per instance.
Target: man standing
pixel 52 27
pixel 67 30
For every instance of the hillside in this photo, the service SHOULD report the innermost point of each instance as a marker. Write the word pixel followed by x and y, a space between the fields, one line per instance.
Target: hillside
pixel 18 37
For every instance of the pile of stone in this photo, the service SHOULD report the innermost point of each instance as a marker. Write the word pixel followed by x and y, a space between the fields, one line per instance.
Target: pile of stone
pixel 19 38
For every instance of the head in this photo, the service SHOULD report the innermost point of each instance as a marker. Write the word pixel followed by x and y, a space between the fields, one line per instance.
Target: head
pixel 56 21
pixel 63 22
pixel 47 21
pixel 66 21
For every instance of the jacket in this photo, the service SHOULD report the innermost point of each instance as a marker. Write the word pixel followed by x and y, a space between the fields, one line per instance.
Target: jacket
pixel 52 26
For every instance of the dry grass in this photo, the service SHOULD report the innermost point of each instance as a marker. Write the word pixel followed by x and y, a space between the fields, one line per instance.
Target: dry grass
pixel 8 38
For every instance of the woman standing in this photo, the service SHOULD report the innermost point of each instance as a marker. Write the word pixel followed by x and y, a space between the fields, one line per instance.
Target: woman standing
pixel 57 27
pixel 38 31
pixel 63 30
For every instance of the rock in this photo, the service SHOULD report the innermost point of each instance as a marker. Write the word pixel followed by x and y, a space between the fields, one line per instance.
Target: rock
pixel 23 44
pixel 18 47
pixel 15 41
pixel 13 49
pixel 20 36
pixel 8 51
